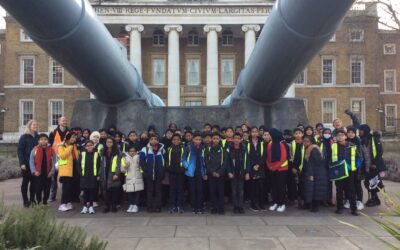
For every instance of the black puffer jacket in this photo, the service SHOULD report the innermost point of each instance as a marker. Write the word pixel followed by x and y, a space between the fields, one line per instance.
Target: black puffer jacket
pixel 25 145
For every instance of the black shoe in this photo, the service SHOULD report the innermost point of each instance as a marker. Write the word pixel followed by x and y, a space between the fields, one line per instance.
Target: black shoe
pixel 262 208
pixel 201 211
pixel 339 211
pixel 44 203
pixel 33 203
pixel 254 208
pixel 106 210
pixel 241 210
pixel 27 203
pixel 377 202
pixel 114 210
pixel 221 212
pixel 370 203
pixel 194 211
pixel 354 212
pixel 214 211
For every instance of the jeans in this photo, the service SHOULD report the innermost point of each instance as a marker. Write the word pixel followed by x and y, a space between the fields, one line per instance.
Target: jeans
pixel 279 187
pixel 176 190
pixel 27 180
pixel 196 192
pixel 257 192
pixel 347 186
pixel 217 192
pixel 42 186
pixel 54 185
pixel 133 198
pixel 153 192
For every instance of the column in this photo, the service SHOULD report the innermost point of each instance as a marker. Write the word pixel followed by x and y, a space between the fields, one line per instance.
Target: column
pixel 249 39
pixel 212 63
pixel 173 64
pixel 135 41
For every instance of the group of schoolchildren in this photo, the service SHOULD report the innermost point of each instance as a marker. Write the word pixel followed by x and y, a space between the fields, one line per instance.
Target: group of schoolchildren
pixel 256 165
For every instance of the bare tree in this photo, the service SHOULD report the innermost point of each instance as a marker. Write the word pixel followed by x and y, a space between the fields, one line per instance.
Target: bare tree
pixel 388 11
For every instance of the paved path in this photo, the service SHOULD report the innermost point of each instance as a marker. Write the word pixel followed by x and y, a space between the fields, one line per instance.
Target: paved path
pixel 294 229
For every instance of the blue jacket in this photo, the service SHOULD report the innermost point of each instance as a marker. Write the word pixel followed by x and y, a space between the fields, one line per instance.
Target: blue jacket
pixel 153 166
pixel 189 160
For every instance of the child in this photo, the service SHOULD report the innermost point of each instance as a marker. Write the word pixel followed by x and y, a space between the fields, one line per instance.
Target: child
pixel 98 147
pixel 193 162
pixel 89 166
pixel 110 174
pixel 152 163
pixel 238 171
pixel 207 139
pixel 256 153
pixel 176 175
pixel 134 179
pixel 347 151
pixel 296 165
pixel 67 156
pixel 215 162
pixel 42 166
pixel 278 165
pixel 123 146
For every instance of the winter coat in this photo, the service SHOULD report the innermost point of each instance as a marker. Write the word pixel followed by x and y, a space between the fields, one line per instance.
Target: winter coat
pixel 66 159
pixel 242 163
pixel 109 168
pixel 189 160
pixel 174 160
pixel 88 178
pixel 25 145
pixel 314 177
pixel 215 160
pixel 153 165
pixel 257 156
pixel 133 174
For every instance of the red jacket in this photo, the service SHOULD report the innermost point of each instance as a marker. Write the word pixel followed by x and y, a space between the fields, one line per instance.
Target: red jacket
pixel 38 156
pixel 282 164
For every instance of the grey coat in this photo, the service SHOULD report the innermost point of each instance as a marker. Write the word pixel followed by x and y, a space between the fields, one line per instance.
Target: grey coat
pixel 106 174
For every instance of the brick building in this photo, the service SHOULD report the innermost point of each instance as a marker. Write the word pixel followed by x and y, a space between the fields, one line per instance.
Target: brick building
pixel 356 69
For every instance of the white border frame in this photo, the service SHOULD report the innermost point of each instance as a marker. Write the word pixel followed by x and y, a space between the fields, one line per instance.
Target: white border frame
pixel 162 57
pixel 328 57
pixel 363 108
pixel 51 60
pixel 305 78
pixel 395 115
pixel 20 122
pixel 384 51
pixel 21 69
pixel 50 112
pixel 394 80
pixel 192 57
pixel 227 56
pixel 334 111
pixel 362 35
pixel 362 69
pixel 22 38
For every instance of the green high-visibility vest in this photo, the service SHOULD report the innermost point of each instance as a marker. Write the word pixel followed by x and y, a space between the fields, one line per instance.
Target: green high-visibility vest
pixel 115 163
pixel 169 156
pixel 262 148
pixel 83 163
pixel 353 150
pixel 294 145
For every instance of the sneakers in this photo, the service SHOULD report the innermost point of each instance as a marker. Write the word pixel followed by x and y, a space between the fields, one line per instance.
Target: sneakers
pixel 129 209
pixel 254 208
pixel 85 210
pixel 180 210
pixel 172 210
pixel 135 209
pixel 95 204
pixel 273 207
pixel 360 205
pixel 281 209
pixel 346 204
pixel 241 210
pixel 91 210
pixel 69 206
pixel 63 208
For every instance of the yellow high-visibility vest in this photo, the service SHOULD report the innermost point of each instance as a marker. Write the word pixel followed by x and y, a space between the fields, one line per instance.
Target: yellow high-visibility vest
pixel 294 145
pixel 262 148
pixel 352 156
pixel 83 163
pixel 170 153
pixel 115 163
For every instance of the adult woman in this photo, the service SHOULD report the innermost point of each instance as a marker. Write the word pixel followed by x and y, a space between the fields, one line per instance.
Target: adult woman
pixel 25 145
pixel 314 176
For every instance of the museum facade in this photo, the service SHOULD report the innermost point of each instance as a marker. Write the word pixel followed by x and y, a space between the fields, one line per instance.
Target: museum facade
pixel 190 53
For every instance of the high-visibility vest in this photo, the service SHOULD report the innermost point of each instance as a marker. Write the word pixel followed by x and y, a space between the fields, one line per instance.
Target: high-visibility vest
pixel 223 142
pixel 321 148
pixel 83 163
pixel 294 145
pixel 170 153
pixel 374 153
pixel 353 150
pixel 115 163
pixel 245 161
pixel 262 148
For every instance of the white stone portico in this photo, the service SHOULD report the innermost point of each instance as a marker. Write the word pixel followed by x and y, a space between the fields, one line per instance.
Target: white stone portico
pixel 174 68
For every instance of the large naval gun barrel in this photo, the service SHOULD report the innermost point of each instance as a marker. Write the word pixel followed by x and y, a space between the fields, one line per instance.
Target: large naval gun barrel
pixel 71 33
pixel 293 34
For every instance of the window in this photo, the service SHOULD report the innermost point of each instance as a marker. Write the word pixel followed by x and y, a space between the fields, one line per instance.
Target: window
pixel 158 38
pixel 158 71
pixel 227 38
pixel 328 110
pixel 56 109
pixel 24 37
pixel 333 38
pixel 390 115
pixel 357 70
pixel 192 103
pixel 358 109
pixel 56 72
pixel 356 35
pixel 227 71
pixel 389 80
pixel 27 70
pixel 26 108
pixel 328 66
pixel 301 78
pixel 193 38
pixel 193 71
pixel 389 49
